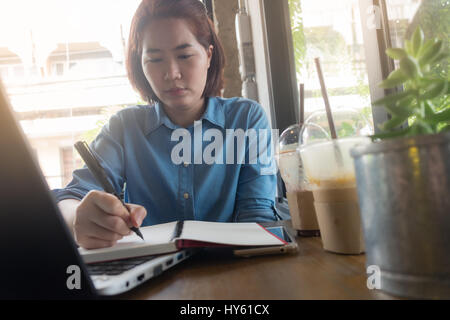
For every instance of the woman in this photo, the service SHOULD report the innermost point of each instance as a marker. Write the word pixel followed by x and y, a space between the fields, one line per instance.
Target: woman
pixel 175 61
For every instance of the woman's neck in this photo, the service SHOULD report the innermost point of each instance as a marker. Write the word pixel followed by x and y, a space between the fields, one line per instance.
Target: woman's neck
pixel 185 116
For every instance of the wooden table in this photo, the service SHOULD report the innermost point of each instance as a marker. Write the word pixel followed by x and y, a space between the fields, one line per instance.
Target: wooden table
pixel 312 273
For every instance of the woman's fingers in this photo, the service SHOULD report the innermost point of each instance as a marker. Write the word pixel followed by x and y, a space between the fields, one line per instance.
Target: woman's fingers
pixel 101 219
pixel 137 214
pixel 112 223
pixel 96 231
pixel 109 203
pixel 96 243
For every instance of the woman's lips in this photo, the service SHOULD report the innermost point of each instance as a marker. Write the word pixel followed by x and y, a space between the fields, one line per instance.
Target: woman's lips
pixel 176 91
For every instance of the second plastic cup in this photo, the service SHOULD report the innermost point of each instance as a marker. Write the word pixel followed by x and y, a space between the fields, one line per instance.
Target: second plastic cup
pixel 298 193
pixel 330 171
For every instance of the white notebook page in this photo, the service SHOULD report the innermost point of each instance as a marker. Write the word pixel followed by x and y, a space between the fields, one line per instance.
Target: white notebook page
pixel 244 234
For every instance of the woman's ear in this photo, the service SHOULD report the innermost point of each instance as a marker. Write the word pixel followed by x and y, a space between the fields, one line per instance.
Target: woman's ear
pixel 209 54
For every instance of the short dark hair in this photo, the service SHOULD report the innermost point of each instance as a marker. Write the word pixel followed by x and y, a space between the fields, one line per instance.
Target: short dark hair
pixel 195 13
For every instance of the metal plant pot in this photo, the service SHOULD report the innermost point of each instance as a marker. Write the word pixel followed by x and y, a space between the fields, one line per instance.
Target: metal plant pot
pixel 404 197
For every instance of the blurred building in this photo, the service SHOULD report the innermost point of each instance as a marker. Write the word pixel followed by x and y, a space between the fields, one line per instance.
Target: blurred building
pixel 72 92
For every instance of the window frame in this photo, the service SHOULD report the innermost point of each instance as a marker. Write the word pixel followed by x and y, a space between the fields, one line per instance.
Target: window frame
pixel 379 64
pixel 209 8
pixel 280 63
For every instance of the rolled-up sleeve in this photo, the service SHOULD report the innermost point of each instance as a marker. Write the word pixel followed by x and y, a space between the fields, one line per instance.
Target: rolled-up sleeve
pixel 108 149
pixel 256 190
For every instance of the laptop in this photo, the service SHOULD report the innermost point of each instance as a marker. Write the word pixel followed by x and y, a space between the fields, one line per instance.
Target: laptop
pixel 39 258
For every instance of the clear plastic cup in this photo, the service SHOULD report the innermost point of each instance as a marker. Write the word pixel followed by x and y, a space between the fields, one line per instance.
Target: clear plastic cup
pixel 298 192
pixel 330 171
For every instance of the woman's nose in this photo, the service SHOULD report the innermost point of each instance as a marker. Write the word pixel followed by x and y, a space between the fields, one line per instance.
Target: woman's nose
pixel 173 72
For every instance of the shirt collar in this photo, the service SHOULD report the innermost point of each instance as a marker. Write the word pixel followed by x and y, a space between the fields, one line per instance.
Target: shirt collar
pixel 214 113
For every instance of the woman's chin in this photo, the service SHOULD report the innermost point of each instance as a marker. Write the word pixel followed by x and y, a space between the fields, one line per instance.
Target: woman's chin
pixel 179 102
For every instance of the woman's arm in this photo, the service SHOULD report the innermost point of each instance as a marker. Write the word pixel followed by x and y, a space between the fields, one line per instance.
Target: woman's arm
pixel 97 219
pixel 256 191
pixel 68 209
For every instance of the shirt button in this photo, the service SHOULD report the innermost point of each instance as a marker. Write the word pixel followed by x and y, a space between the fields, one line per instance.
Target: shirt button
pixel 185 164
pixel 186 195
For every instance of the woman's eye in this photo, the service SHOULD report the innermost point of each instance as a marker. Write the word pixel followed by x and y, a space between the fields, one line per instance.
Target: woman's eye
pixel 185 56
pixel 153 60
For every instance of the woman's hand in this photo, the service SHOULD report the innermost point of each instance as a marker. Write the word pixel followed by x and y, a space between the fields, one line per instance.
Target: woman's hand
pixel 101 220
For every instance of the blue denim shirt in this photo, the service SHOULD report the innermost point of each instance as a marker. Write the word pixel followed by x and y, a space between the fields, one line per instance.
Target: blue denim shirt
pixel 140 147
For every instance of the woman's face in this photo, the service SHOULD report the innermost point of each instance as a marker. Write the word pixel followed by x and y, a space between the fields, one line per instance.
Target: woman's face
pixel 175 63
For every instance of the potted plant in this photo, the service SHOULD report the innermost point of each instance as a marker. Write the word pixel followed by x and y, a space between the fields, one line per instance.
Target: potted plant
pixel 403 177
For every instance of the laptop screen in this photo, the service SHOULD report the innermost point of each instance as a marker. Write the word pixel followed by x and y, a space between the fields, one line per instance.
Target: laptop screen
pixel 37 251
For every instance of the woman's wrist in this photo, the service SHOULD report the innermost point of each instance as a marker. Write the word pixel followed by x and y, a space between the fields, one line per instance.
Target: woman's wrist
pixel 68 209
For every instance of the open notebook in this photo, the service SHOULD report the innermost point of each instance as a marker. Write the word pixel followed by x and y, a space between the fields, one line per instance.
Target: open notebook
pixel 173 236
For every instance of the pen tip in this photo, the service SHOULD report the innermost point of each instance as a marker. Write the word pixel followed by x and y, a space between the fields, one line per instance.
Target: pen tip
pixel 138 232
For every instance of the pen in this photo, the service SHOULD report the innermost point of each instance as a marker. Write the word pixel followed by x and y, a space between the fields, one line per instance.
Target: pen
pixel 100 175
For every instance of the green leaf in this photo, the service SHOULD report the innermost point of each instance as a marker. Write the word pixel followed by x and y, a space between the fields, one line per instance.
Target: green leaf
pixel 430 53
pixel 425 47
pixel 417 40
pixel 409 67
pixel 408 47
pixel 396 78
pixel 403 107
pixel 390 83
pixel 445 128
pixel 391 134
pixel 393 98
pixel 394 122
pixel 427 128
pixel 429 109
pixel 396 53
pixel 397 74
pixel 435 89
pixel 420 127
pixel 442 116
pixel 424 81
pixel 407 102
pixel 441 56
pixel 398 110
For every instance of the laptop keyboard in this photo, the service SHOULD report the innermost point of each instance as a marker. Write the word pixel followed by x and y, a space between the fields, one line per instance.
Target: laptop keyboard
pixel 113 268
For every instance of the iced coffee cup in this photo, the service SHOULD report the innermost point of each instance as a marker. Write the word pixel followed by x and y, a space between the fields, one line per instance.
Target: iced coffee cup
pixel 329 169
pixel 298 193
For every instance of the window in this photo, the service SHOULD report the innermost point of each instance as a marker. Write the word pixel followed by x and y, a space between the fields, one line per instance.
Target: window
pixel 69 162
pixel 350 49
pixel 433 16
pixel 350 37
pixel 62 65
pixel 18 71
pixel 331 30
pixel 58 69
